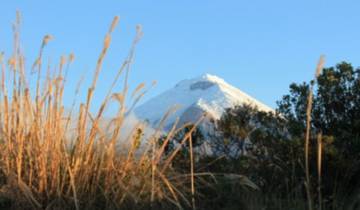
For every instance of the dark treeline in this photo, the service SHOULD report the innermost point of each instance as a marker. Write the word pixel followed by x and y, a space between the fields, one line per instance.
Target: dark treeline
pixel 270 150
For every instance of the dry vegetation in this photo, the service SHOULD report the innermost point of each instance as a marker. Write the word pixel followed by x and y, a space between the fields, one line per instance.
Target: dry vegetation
pixel 307 141
pixel 45 163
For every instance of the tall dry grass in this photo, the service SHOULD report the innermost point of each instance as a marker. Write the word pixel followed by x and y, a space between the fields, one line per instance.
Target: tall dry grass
pixel 45 167
pixel 319 168
pixel 318 70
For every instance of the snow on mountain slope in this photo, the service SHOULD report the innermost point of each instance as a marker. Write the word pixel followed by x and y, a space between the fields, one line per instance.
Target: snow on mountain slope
pixel 207 93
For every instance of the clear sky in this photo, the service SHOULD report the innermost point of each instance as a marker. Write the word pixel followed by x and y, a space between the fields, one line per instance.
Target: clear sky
pixel 257 46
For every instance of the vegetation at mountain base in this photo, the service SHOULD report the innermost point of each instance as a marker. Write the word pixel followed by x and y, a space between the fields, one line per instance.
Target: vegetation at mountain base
pixel 275 159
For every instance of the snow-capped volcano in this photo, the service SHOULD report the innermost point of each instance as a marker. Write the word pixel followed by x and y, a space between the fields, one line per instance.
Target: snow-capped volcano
pixel 194 97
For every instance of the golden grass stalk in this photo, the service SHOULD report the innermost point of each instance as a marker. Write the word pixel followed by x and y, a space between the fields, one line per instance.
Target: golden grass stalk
pixel 319 162
pixel 192 173
pixel 307 133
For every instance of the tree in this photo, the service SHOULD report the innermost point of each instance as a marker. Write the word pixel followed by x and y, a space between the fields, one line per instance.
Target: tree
pixel 336 113
pixel 274 161
pixel 179 141
pixel 235 126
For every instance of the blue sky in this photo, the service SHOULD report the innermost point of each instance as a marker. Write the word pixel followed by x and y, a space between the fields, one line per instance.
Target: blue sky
pixel 258 46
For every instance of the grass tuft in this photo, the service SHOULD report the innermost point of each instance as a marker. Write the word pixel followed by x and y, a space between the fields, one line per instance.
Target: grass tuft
pixel 46 164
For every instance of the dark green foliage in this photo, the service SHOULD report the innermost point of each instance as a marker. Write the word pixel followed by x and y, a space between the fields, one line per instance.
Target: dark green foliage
pixel 272 159
pixel 336 113
pixel 268 148
pixel 275 159
pixel 182 160
pixel 176 140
